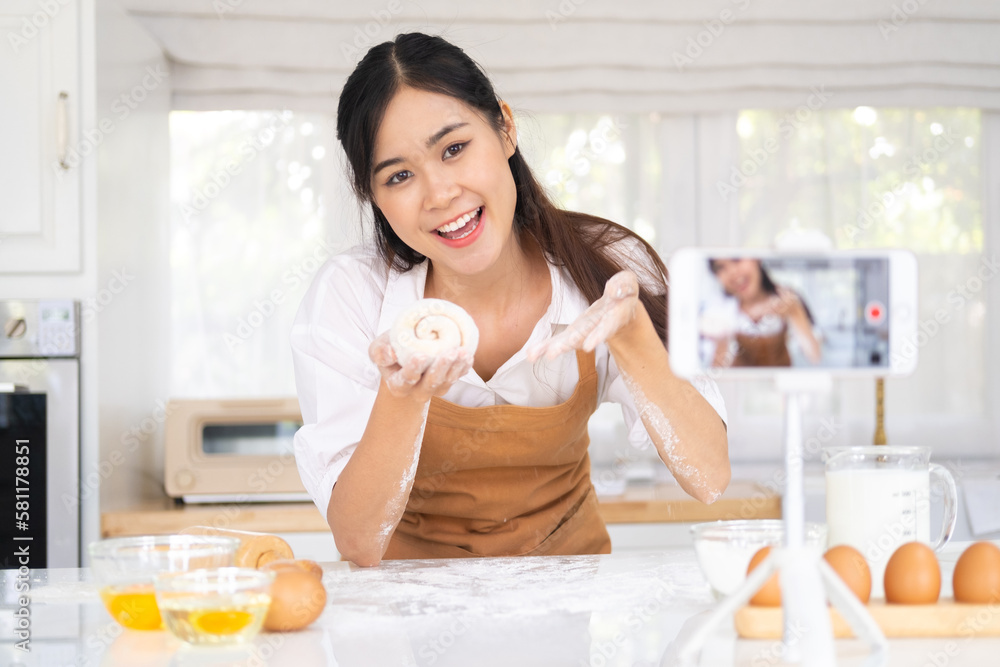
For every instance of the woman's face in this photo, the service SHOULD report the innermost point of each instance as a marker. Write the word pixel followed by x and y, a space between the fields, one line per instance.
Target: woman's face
pixel 738 277
pixel 443 182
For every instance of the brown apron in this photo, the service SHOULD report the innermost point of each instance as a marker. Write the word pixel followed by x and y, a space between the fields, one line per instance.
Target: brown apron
pixel 762 350
pixel 505 480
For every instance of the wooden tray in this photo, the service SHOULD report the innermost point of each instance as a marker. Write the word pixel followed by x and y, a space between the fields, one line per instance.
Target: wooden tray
pixel 944 619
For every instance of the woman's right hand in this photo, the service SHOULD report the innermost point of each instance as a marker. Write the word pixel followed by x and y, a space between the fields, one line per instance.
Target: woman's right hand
pixel 420 378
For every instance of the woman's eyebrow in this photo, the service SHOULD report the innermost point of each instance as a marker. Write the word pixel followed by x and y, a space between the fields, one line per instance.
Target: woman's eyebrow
pixel 433 139
pixel 444 131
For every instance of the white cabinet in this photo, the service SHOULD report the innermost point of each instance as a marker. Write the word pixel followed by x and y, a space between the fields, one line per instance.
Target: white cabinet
pixel 40 143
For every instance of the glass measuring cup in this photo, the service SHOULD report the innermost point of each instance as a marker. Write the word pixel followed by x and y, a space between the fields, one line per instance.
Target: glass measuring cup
pixel 878 497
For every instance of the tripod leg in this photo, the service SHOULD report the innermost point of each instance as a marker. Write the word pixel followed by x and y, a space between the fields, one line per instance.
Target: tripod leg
pixel 727 607
pixel 855 613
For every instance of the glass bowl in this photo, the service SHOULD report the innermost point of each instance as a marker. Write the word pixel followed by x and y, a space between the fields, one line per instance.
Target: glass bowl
pixel 724 548
pixel 125 568
pixel 212 607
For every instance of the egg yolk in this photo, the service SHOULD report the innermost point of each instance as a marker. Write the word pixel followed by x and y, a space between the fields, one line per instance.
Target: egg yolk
pixel 133 607
pixel 221 622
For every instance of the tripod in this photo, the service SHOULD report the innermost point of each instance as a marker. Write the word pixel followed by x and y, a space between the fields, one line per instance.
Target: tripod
pixel 807 581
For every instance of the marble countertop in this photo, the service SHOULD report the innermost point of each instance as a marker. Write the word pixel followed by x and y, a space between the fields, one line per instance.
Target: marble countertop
pixel 621 609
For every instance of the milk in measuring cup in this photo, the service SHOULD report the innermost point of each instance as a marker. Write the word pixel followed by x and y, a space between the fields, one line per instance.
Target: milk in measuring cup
pixel 875 511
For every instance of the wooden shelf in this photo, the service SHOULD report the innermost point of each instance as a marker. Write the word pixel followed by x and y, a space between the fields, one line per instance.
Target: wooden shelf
pixel 669 503
pixel 647 504
pixel 163 517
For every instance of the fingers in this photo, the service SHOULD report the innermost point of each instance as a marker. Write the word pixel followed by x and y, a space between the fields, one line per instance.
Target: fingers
pixel 536 351
pixel 423 378
pixel 604 329
pixel 622 285
pixel 598 323
pixel 380 351
pixel 463 366
pixel 437 372
pixel 787 297
pixel 551 348
pixel 443 372
pixel 566 341
pixel 400 379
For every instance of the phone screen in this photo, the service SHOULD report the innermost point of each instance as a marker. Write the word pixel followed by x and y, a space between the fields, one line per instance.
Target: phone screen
pixel 778 312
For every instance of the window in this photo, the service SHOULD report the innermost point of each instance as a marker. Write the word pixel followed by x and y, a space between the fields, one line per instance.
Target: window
pixel 258 202
pixel 594 163
pixel 261 200
pixel 869 178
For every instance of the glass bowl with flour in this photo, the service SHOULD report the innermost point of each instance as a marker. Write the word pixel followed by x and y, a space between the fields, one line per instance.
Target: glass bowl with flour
pixel 724 548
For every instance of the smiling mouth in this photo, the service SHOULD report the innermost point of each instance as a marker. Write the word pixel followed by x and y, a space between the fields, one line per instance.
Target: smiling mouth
pixel 461 227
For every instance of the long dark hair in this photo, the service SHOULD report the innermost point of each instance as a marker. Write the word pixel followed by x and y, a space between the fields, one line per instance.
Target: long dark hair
pixel 576 241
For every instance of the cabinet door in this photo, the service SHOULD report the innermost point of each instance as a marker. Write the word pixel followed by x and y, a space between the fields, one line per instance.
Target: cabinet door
pixel 40 145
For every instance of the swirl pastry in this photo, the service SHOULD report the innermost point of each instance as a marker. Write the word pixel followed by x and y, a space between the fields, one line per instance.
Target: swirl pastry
pixel 432 327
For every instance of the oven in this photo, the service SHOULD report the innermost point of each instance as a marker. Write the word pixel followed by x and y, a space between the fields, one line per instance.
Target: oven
pixel 40 433
pixel 232 450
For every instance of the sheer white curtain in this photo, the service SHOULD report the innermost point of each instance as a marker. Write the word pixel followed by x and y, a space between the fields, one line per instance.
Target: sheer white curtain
pixel 684 56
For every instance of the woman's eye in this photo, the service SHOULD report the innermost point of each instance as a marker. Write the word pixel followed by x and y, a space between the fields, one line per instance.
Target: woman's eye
pixel 398 177
pixel 454 149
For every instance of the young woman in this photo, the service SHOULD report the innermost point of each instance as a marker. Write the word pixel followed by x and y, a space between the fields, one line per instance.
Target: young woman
pixel 484 454
pixel 766 311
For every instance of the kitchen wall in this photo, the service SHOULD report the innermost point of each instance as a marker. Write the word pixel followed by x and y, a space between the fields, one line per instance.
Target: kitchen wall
pixel 132 309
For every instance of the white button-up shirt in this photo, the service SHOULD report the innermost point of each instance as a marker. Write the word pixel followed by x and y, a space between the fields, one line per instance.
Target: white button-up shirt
pixel 354 298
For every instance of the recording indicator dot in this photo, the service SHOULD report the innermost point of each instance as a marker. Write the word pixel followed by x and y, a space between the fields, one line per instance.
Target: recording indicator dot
pixel 874 312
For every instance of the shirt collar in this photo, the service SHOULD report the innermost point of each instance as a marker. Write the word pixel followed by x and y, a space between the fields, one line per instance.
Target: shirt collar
pixel 404 288
pixel 401 289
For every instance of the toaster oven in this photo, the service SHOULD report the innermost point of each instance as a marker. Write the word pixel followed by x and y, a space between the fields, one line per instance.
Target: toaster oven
pixel 237 450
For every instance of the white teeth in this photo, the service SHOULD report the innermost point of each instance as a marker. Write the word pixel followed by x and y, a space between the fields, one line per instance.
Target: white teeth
pixel 458 224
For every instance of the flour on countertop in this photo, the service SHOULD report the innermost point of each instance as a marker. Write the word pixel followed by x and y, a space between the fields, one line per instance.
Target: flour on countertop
pixel 512 586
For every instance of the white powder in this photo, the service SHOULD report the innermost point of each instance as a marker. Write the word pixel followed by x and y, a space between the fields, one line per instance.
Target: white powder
pixel 394 508
pixel 62 591
pixel 515 586
pixel 654 418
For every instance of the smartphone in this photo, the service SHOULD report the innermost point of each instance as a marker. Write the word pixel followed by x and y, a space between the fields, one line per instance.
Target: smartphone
pixel 739 311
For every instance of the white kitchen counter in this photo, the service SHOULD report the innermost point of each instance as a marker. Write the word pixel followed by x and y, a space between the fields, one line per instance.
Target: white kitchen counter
pixel 621 609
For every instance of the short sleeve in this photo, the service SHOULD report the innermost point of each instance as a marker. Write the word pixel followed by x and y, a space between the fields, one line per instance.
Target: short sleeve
pixel 335 380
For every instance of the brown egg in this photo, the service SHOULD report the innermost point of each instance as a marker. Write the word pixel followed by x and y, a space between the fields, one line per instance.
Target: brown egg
pixel 297 599
pixel 912 575
pixel 769 594
pixel 977 574
pixel 853 570
pixel 303 564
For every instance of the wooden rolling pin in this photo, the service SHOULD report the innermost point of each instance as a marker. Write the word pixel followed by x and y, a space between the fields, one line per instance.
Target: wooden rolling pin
pixel 255 550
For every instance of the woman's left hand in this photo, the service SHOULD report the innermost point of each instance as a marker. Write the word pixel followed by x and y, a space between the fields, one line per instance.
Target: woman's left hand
pixel 605 317
pixel 783 304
